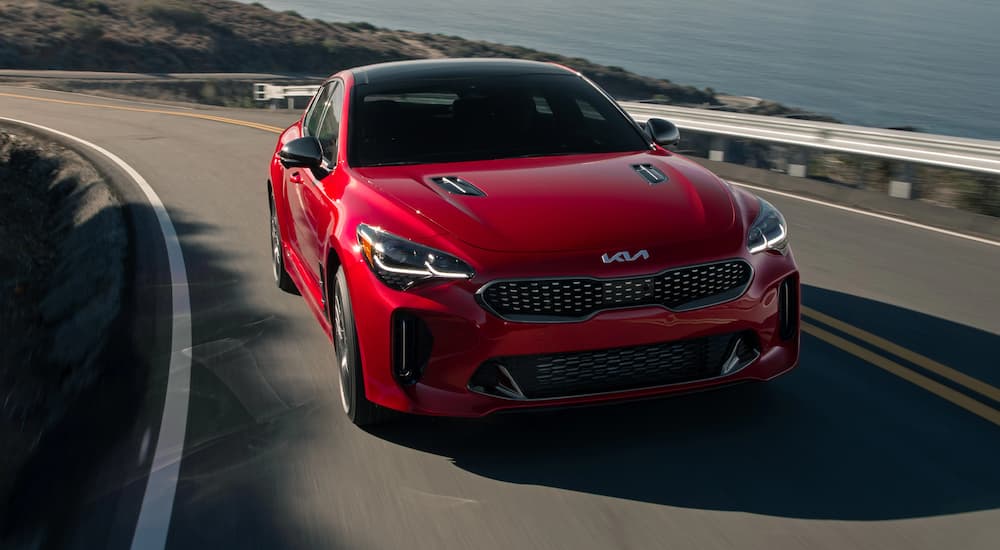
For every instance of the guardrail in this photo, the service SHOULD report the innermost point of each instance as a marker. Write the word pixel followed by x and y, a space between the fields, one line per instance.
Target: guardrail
pixel 909 147
pixel 270 92
pixel 950 152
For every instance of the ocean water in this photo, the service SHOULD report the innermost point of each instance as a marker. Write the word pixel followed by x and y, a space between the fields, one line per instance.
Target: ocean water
pixel 932 64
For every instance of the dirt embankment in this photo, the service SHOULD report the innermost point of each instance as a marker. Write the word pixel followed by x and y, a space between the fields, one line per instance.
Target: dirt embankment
pixel 63 244
pixel 222 36
pixel 164 36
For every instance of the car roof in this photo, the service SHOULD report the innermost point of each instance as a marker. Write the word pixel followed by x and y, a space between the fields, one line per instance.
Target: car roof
pixel 451 68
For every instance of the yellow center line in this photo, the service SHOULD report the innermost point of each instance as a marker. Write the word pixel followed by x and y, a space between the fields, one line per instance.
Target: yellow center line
pixel 931 365
pixel 958 398
pixel 225 120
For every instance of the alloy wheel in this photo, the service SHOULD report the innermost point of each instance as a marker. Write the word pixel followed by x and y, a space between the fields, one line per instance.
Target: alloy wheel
pixel 275 246
pixel 340 350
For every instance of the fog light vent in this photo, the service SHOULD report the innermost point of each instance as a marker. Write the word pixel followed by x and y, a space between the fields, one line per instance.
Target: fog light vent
pixel 494 378
pixel 743 353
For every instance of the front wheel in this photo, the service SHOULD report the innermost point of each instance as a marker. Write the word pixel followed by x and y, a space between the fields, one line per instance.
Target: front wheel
pixel 359 409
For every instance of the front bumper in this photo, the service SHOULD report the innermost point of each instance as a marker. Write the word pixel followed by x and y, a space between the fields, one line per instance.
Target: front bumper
pixel 463 336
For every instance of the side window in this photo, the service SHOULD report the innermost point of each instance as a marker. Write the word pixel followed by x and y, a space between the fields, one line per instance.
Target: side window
pixel 316 108
pixel 329 128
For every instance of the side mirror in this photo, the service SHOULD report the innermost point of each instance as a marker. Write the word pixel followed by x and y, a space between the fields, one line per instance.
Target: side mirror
pixel 305 152
pixel 663 132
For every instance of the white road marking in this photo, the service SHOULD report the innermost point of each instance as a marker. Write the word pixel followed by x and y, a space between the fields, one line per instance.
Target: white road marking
pixel 869 214
pixel 446 500
pixel 158 500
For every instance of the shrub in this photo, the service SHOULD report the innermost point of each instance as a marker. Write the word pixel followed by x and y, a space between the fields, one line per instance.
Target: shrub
pixel 85 29
pixel 360 26
pixel 980 194
pixel 88 5
pixel 173 12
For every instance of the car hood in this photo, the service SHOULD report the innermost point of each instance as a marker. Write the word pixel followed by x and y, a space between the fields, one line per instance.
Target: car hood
pixel 569 203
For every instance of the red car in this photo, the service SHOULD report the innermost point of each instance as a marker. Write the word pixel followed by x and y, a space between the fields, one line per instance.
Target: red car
pixel 482 235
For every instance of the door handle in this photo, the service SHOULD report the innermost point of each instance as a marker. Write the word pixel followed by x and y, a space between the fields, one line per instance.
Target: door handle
pixel 295 177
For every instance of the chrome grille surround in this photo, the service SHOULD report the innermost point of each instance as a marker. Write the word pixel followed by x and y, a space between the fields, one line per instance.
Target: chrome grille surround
pixel 575 299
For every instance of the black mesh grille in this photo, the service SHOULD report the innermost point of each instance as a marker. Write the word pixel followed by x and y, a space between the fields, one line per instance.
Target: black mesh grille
pixel 619 369
pixel 568 299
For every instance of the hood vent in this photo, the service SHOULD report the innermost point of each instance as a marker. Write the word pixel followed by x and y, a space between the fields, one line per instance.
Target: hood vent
pixel 458 186
pixel 650 173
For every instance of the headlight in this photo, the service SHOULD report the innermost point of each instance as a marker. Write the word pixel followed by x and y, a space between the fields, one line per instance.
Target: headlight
pixel 769 231
pixel 400 263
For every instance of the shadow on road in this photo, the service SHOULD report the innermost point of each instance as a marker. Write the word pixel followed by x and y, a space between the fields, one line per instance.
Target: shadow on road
pixel 85 483
pixel 835 439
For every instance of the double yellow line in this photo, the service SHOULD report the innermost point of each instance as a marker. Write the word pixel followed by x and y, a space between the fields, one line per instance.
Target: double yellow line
pixel 941 390
pixel 963 400
pixel 225 120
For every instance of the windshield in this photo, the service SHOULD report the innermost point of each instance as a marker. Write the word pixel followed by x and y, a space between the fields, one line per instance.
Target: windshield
pixel 489 117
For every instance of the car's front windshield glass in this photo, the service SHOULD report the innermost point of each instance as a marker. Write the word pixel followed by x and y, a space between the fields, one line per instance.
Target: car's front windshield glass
pixel 488 117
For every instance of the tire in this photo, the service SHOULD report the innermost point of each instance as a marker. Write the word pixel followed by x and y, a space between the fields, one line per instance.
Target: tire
pixel 347 359
pixel 281 277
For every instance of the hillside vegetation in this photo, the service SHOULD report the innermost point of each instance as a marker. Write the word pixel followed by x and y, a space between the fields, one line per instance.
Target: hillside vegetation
pixel 159 36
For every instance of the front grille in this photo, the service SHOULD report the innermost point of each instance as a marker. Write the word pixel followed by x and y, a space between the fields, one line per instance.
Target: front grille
pixel 553 300
pixel 617 369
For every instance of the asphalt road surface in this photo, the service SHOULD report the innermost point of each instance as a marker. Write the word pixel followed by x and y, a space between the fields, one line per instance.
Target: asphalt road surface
pixel 886 436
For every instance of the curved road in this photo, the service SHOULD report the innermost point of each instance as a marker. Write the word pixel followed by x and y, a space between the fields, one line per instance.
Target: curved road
pixel 887 436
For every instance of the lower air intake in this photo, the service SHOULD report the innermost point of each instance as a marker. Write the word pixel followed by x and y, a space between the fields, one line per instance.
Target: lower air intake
pixel 618 369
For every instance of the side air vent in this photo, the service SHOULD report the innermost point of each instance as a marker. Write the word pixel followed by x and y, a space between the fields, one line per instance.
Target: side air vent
pixel 458 186
pixel 650 173
pixel 411 347
pixel 788 307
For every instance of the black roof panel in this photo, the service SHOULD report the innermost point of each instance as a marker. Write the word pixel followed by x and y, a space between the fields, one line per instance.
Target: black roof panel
pixel 450 68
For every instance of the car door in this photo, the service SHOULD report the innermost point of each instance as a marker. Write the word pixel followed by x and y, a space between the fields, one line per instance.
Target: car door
pixel 294 176
pixel 313 222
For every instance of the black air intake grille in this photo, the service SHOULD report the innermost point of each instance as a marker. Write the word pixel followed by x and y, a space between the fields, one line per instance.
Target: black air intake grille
pixel 458 186
pixel 554 300
pixel 788 307
pixel 618 369
pixel 650 173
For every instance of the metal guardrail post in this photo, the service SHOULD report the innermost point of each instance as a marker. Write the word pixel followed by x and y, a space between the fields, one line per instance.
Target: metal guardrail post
pixel 798 162
pixel 901 185
pixel 717 149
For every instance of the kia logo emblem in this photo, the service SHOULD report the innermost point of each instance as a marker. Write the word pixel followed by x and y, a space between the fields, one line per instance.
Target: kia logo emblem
pixel 624 256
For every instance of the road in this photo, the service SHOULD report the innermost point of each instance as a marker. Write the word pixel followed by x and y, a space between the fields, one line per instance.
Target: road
pixel 848 451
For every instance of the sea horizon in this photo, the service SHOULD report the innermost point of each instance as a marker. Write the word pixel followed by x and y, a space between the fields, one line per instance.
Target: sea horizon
pixel 894 63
